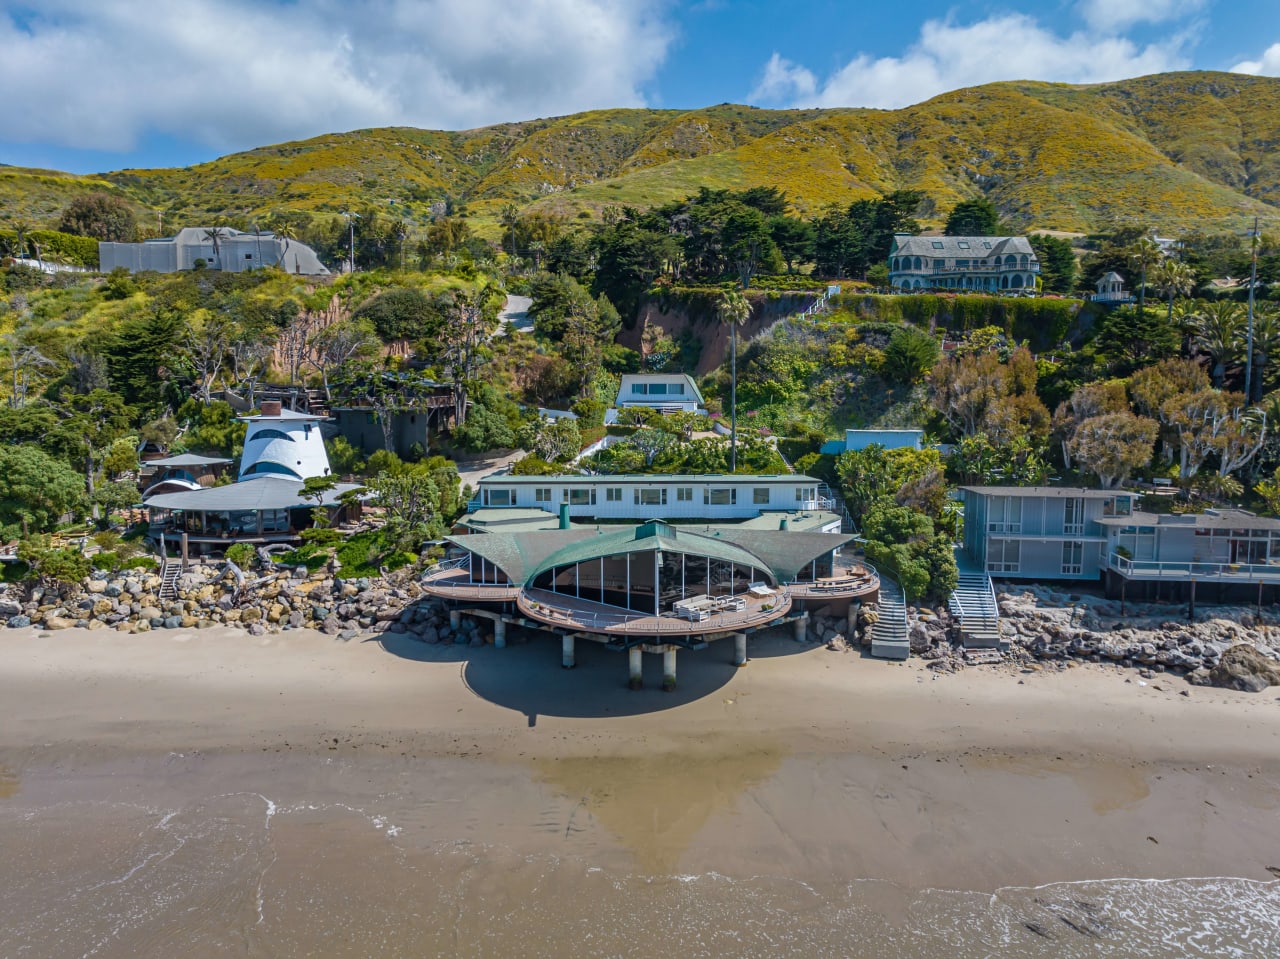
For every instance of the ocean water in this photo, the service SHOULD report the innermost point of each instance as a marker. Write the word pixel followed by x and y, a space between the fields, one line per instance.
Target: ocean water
pixel 87 869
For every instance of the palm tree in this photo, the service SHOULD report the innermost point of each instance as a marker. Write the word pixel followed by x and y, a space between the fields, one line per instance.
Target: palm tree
pixel 1266 342
pixel 1173 278
pixel 22 228
pixel 733 309
pixel 214 236
pixel 283 230
pixel 1143 254
pixel 1218 331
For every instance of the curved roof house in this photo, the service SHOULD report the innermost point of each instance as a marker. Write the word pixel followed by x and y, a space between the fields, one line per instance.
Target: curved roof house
pixel 653 583
pixel 284 443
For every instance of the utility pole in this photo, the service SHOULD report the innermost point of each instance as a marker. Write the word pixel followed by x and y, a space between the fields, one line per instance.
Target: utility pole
pixel 1253 281
pixel 160 222
pixel 351 225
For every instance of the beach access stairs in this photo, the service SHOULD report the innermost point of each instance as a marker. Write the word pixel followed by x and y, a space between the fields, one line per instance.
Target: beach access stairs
pixel 889 635
pixel 973 606
pixel 169 574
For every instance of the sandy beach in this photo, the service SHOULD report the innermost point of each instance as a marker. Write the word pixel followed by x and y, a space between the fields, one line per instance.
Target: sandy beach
pixel 293 795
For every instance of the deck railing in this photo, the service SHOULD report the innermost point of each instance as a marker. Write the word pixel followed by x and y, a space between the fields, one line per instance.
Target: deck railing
pixel 548 606
pixel 1155 569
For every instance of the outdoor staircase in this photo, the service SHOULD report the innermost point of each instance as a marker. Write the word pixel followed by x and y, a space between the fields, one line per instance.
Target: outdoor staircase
pixel 889 637
pixel 973 605
pixel 829 500
pixel 169 574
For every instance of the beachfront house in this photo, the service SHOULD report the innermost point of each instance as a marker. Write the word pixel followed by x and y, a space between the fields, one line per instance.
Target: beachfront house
pixel 645 496
pixel 665 392
pixel 992 264
pixel 282 449
pixel 1063 533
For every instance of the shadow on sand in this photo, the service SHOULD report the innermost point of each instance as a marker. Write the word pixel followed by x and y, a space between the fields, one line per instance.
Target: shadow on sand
pixel 527 677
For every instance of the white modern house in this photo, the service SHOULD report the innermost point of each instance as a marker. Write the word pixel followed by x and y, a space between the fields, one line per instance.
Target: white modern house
pixel 644 496
pixel 991 264
pixel 666 392
pixel 233 252
pixel 282 449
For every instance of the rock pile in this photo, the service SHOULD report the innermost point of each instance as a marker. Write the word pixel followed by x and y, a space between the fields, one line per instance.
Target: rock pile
pixel 209 595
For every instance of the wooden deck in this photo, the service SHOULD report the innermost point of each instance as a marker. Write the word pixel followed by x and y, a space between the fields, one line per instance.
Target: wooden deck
pixel 556 609
pixel 845 582
pixel 455 583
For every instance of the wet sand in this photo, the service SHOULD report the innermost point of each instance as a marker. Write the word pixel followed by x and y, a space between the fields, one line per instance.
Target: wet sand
pixel 304 786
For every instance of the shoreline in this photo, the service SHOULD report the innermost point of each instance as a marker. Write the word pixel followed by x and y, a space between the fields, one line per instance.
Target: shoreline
pixel 806 758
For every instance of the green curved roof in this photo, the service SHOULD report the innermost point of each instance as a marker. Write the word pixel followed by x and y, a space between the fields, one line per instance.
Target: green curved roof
pixel 647 538
pixel 522 556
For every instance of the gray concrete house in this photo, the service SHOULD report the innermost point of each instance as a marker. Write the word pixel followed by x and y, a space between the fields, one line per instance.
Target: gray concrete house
pixel 234 252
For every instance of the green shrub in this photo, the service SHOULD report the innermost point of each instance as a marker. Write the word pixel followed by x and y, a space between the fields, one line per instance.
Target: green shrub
pixel 242 554
pixel 141 562
pixel 106 560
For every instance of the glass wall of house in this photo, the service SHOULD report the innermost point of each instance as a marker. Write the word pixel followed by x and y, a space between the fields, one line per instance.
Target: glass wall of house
pixel 650 581
pixel 242 523
pixel 822 567
pixel 483 571
pixel 1255 547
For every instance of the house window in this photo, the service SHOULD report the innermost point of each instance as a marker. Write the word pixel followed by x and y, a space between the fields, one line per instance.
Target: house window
pixel 248 256
pixel 684 494
pixel 650 497
pixel 805 493
pixel 613 494
pixel 1073 517
pixel 542 494
pixel 675 389
pixel 1005 515
pixel 1116 506
pixel 962 264
pixel 963 244
pixel 498 497
pixel 657 389
pixel 721 496
pixel 1072 558
pixel 1004 556
pixel 638 389
pixel 938 244
pixel 580 497
pixel 272 435
pixel 760 496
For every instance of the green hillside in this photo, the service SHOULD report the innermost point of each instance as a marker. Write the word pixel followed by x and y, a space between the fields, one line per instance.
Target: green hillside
pixel 1177 151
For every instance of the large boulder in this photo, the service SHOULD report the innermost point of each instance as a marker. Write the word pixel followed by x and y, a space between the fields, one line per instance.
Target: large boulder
pixel 1244 667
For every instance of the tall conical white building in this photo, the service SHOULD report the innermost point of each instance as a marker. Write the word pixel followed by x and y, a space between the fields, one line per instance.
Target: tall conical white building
pixel 282 442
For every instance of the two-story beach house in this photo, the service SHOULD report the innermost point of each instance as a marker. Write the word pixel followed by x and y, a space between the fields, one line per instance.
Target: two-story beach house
pixel 231 252
pixel 991 264
pixel 1062 533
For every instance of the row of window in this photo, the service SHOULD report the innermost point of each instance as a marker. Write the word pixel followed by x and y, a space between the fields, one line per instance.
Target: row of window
pixel 644 496
pixel 1011 261
pixel 657 389
pixel 1005 556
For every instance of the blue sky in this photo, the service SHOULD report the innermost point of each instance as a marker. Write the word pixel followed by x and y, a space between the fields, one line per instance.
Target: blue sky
pixel 134 83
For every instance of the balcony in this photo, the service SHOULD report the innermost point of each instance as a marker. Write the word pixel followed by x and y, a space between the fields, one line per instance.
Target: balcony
pixel 846 581
pixel 1145 569
pixel 452 580
pixel 568 612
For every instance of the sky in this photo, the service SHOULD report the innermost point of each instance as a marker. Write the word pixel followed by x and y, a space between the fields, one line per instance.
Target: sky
pixel 98 85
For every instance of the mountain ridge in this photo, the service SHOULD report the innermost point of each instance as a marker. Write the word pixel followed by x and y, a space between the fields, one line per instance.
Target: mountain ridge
pixel 1177 151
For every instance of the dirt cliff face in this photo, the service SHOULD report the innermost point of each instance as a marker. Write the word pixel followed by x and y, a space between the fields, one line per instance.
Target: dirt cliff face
pixel 694 313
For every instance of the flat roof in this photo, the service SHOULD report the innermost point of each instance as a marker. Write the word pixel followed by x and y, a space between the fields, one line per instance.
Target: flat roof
pixel 520 520
pixel 258 493
pixel 1219 519
pixel 1072 492
pixel 603 479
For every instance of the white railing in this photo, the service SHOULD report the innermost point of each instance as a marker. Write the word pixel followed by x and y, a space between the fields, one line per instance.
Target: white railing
pixel 1155 569
pixel 573 616
pixel 445 565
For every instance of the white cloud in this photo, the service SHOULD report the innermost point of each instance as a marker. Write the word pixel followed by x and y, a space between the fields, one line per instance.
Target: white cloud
pixel 1269 65
pixel 1118 14
pixel 784 81
pixel 948 56
pixel 237 73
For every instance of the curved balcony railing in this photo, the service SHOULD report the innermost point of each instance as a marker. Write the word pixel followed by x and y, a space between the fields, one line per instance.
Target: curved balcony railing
pixel 555 609
pixel 453 581
pixel 853 579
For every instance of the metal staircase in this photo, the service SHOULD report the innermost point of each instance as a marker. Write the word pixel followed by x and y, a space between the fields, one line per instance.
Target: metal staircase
pixel 169 574
pixel 973 604
pixel 889 636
